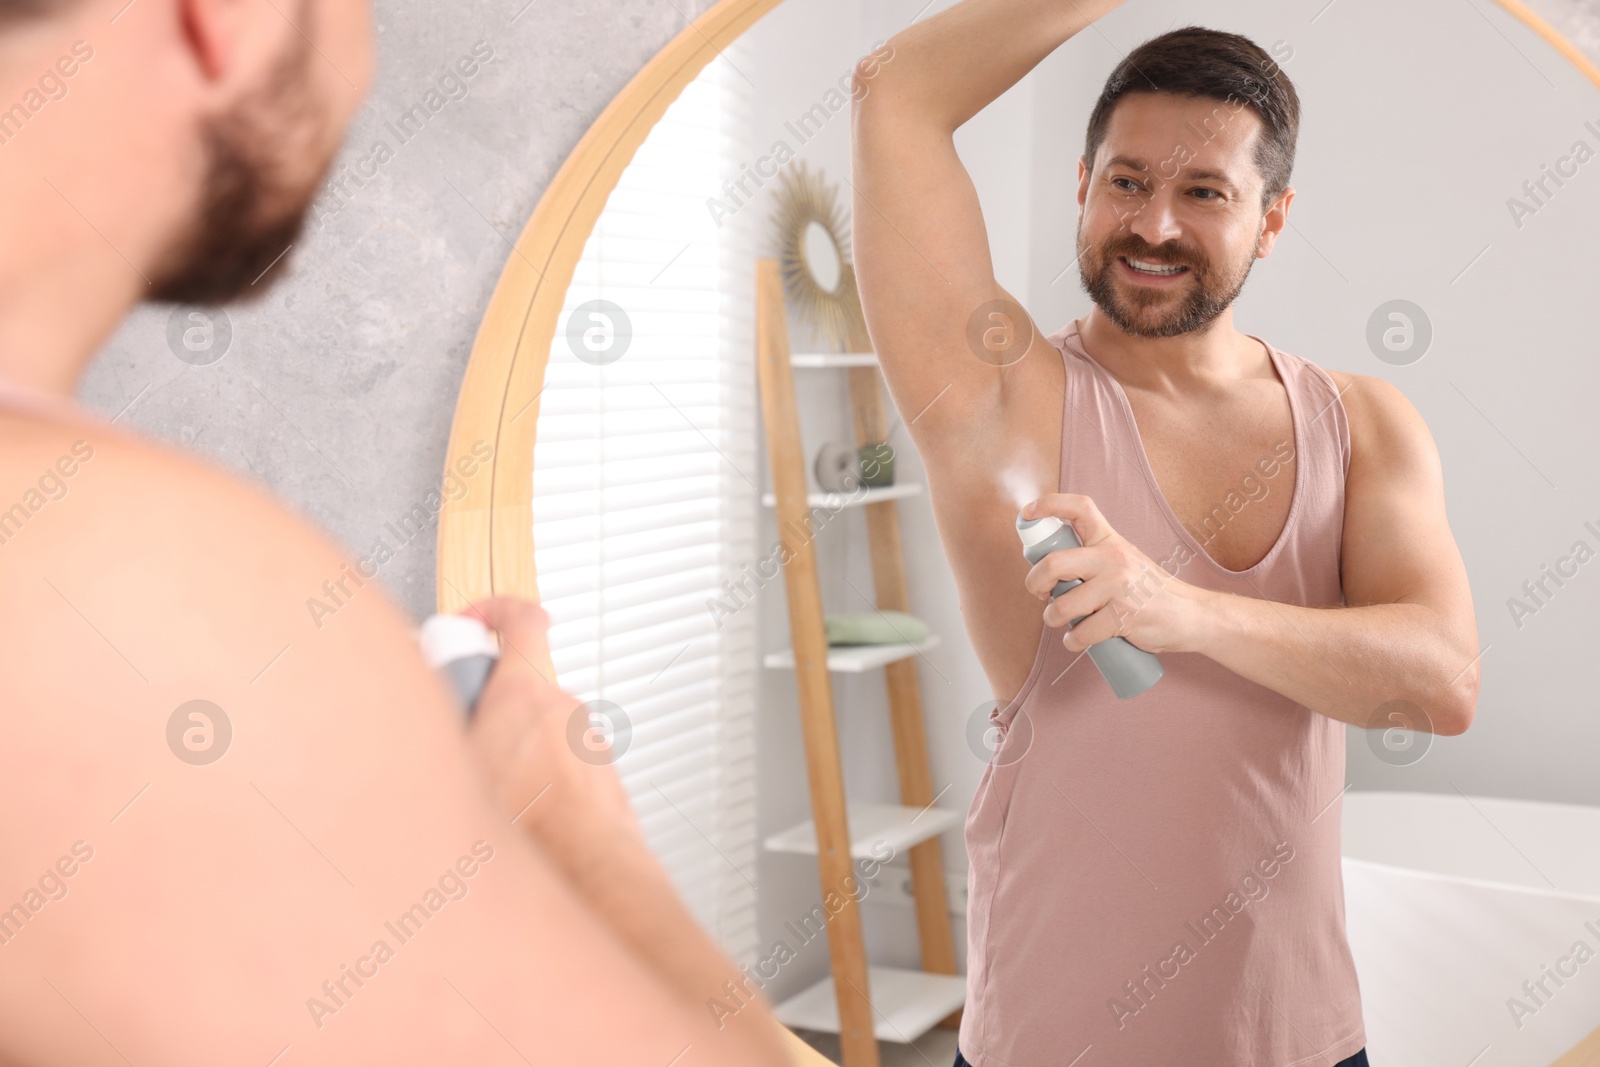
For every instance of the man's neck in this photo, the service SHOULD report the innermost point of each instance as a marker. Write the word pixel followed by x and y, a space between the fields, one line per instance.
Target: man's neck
pixel 79 232
pixel 1178 365
pixel 58 304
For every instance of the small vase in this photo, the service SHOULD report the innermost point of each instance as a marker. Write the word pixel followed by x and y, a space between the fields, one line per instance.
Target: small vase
pixel 877 464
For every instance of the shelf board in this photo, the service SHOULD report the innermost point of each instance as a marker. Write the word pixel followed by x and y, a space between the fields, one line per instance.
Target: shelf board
pixel 892 824
pixel 819 360
pixel 905 1004
pixel 850 500
pixel 854 659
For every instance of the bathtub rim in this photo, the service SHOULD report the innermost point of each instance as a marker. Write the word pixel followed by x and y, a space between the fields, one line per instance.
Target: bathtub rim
pixel 1479 883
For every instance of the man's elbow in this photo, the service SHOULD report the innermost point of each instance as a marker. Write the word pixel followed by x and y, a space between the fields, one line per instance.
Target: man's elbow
pixel 869 75
pixel 871 82
pixel 1455 721
pixel 1457 703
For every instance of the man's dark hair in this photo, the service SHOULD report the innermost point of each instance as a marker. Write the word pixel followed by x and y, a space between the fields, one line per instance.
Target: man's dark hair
pixel 1199 62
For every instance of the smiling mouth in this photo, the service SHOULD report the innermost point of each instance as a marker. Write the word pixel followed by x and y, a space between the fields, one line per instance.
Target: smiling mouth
pixel 1152 269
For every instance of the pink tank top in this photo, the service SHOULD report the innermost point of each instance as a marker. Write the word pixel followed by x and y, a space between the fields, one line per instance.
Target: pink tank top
pixel 1157 880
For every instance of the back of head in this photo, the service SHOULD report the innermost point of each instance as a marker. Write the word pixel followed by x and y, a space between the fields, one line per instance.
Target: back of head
pixel 1198 62
pixel 213 125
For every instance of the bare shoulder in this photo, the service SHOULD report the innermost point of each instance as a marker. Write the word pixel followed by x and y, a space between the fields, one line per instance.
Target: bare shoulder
pixel 66 487
pixel 179 729
pixel 154 565
pixel 217 803
pixel 1386 430
pixel 133 571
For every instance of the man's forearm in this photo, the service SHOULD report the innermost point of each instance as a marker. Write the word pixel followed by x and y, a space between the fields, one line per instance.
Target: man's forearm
pixel 952 65
pixel 1347 662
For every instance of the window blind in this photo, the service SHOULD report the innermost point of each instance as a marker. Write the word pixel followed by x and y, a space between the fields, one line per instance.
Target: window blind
pixel 645 475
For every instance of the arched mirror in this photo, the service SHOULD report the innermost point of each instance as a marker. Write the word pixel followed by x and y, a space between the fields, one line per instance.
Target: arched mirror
pixel 1445 216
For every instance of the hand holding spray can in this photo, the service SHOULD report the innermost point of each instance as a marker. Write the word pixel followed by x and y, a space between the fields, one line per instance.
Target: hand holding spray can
pixel 1130 670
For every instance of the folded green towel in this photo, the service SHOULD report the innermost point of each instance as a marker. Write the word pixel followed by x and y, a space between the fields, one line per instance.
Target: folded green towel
pixel 875 628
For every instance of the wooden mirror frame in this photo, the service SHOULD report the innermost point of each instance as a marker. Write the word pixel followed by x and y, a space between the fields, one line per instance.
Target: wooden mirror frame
pixel 485 538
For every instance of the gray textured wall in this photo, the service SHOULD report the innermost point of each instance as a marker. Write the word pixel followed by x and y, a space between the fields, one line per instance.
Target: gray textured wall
pixel 337 389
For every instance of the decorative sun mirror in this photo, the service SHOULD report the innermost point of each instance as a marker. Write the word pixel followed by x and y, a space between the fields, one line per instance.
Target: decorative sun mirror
pixel 814 256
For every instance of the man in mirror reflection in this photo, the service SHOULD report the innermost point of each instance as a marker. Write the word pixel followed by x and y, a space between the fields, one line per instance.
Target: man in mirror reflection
pixel 1156 879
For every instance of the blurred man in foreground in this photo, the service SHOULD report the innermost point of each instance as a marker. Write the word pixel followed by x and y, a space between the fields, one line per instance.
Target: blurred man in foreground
pixel 357 880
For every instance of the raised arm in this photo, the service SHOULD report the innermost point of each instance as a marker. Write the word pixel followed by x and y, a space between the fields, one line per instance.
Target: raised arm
pixel 922 252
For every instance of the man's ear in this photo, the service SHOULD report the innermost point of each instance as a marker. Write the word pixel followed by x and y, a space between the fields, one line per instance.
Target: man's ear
pixel 1273 222
pixel 211 28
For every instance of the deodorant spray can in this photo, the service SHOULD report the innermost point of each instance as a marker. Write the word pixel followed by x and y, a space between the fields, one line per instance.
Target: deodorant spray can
pixel 460 648
pixel 1130 670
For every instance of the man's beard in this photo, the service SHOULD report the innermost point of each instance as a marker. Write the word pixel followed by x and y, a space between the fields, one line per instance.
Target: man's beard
pixel 1208 293
pixel 250 211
